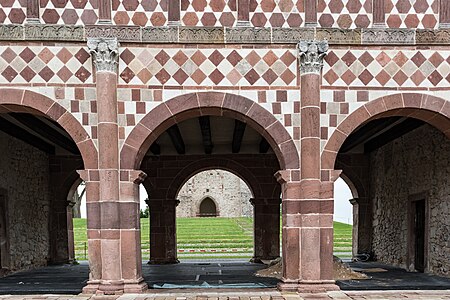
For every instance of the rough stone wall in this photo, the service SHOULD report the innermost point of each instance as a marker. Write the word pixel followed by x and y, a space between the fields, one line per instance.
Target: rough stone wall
pixel 229 192
pixel 415 163
pixel 24 175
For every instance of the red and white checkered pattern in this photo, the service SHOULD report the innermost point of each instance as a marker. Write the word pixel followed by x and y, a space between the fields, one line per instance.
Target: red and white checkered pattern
pixel 37 64
pixel 208 12
pixel 387 68
pixel 13 11
pixel 69 12
pixel 277 13
pixel 208 67
pixel 345 13
pixel 139 12
pixel 412 13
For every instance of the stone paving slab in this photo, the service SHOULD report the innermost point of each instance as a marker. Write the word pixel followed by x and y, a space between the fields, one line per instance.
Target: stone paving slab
pixel 252 295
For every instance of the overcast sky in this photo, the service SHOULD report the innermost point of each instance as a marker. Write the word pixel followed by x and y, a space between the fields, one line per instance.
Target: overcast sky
pixel 342 207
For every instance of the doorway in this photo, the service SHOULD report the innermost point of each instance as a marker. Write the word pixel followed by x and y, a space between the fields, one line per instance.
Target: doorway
pixel 418 234
pixel 208 208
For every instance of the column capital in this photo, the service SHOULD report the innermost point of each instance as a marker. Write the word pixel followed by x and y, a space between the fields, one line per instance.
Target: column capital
pixel 311 55
pixel 105 53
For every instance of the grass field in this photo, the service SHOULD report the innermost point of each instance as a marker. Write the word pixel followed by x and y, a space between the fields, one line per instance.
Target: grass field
pixel 205 238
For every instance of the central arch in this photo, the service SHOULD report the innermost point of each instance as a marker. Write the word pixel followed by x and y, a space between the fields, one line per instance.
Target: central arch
pixel 198 104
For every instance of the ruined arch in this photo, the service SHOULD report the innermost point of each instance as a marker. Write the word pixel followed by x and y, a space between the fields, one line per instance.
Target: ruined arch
pixel 17 100
pixel 196 104
pixel 430 109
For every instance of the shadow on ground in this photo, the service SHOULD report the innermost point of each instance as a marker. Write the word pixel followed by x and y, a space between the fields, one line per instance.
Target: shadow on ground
pixel 385 277
pixel 69 279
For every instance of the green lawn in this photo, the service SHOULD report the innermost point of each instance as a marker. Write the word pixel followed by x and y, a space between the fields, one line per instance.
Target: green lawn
pixel 206 238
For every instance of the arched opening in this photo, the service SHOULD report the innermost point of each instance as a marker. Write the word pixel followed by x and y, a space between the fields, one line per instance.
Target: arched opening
pixel 42 147
pixel 208 208
pixel 205 131
pixel 396 150
pixel 343 220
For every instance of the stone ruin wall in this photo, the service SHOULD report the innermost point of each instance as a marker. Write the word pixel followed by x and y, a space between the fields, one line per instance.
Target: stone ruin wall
pixel 24 176
pixel 415 163
pixel 230 193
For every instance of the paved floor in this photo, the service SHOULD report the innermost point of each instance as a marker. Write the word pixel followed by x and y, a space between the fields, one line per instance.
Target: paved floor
pixel 243 295
pixel 201 277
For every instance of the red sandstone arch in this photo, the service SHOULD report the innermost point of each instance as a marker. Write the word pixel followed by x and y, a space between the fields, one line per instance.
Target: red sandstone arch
pixel 223 164
pixel 15 100
pixel 433 110
pixel 214 104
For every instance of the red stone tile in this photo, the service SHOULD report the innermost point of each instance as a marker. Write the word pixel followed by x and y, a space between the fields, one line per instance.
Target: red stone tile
pixel 400 78
pixel 253 58
pixel 288 58
pixel 139 18
pixel 46 55
pixel 326 20
pixel 348 58
pixel 180 58
pixel 50 16
pixel 276 20
pixel 227 19
pixel 217 5
pixel 348 77
pixel 199 5
pixel 69 16
pixel 198 76
pixel 418 59
pixel 365 77
pixel 252 76
pixel 180 76
pixel 27 55
pixel 336 6
pixel 82 56
pixel 208 19
pixel 46 73
pixel 287 76
pixel 162 76
pixel 400 59
pixel 216 76
pixel 216 58
pixel 270 76
pixel 382 77
pixel 435 78
pixel 158 19
pixel 436 59
pixel 162 57
pixel 127 75
pixel 16 16
pixel 344 21
pixel 259 20
pixel 64 55
pixel 331 58
pixel 267 5
pixel 27 73
pixel 64 73
pixel 198 58
pixel 383 59
pixel 412 21
pixel 8 55
pixel 403 6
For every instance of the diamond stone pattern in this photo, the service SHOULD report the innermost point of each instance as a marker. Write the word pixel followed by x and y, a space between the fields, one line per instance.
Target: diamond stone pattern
pixel 208 67
pixel 70 12
pixel 37 64
pixel 344 13
pixel 277 13
pixel 140 12
pixel 13 12
pixel 387 68
pixel 412 13
pixel 208 12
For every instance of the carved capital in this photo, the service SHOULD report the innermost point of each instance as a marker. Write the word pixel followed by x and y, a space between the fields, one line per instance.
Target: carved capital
pixel 311 55
pixel 105 53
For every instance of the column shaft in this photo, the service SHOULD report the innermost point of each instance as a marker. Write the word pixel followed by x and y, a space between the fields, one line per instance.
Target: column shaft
pixel 32 11
pixel 243 11
pixel 266 220
pixel 163 242
pixel 104 12
pixel 444 14
pixel 310 13
pixel 379 15
pixel 174 12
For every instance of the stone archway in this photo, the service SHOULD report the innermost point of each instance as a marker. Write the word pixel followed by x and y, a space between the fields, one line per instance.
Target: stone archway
pixel 430 109
pixel 197 104
pixel 15 100
pixel 389 177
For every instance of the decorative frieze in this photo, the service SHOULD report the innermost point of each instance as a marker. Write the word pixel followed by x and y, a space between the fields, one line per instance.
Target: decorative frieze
pixel 388 36
pixel 311 55
pixel 105 53
pixel 247 35
pixel 160 34
pixel 339 36
pixel 54 32
pixel 433 36
pixel 292 35
pixel 11 32
pixel 201 34
pixel 122 33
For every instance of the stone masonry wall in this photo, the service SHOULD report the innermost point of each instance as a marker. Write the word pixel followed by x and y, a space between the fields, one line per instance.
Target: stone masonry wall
pixel 230 193
pixel 415 163
pixel 24 175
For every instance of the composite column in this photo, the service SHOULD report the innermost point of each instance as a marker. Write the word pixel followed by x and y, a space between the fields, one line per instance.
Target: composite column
pixel 308 222
pixel 266 220
pixel 105 57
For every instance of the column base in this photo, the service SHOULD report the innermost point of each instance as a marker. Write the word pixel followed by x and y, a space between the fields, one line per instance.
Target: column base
pixel 135 286
pixel 163 261
pixel 110 287
pixel 91 287
pixel 319 286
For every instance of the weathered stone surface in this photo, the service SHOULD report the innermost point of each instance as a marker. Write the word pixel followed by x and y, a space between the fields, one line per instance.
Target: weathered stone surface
pixel 388 36
pixel 229 192
pixel 247 35
pixel 54 32
pixel 122 33
pixel 291 35
pixel 160 34
pixel 24 178
pixel 411 165
pixel 339 36
pixel 11 32
pixel 425 36
pixel 201 34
